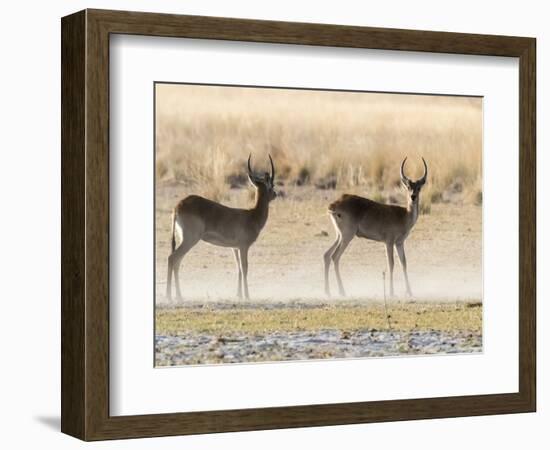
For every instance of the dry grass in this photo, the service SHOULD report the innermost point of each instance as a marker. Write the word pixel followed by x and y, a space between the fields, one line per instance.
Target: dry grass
pixel 460 316
pixel 330 139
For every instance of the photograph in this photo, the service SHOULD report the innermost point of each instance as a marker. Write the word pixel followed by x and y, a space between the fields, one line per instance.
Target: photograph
pixel 296 224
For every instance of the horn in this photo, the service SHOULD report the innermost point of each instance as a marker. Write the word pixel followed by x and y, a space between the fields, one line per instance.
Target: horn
pixel 403 176
pixel 423 179
pixel 249 168
pixel 272 168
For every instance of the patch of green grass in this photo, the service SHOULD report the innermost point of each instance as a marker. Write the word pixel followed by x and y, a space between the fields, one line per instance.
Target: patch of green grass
pixel 403 316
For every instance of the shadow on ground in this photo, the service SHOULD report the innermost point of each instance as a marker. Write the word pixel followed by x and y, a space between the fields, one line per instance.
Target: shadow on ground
pixel 51 422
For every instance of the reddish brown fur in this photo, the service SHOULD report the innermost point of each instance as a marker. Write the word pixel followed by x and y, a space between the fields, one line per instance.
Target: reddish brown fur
pixel 358 207
pixel 198 218
pixel 391 224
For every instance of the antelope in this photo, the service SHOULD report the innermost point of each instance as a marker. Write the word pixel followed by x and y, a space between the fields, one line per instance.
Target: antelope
pixel 196 218
pixel 353 216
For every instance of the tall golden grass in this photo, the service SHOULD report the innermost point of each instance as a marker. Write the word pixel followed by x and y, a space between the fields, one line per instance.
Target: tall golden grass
pixel 332 139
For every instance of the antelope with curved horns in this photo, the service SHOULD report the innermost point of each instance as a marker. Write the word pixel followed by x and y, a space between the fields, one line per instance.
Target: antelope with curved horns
pixel 196 218
pixel 353 216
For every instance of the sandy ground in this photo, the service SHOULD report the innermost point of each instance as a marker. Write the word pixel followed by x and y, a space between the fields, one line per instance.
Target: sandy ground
pixel 443 253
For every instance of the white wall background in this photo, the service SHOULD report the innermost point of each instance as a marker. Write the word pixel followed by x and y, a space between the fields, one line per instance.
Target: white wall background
pixel 30 222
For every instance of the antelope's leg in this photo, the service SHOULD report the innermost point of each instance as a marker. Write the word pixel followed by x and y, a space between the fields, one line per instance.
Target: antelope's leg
pixel 327 256
pixel 389 255
pixel 244 269
pixel 344 242
pixel 174 260
pixel 169 278
pixel 240 282
pixel 403 259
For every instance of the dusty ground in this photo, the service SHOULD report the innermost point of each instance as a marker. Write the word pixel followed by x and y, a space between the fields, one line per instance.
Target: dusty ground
pixel 286 262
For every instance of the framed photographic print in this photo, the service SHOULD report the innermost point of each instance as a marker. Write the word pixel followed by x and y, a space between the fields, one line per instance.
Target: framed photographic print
pixel 271 224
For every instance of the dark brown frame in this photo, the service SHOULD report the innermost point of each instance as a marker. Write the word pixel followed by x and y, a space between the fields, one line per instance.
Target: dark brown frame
pixel 85 224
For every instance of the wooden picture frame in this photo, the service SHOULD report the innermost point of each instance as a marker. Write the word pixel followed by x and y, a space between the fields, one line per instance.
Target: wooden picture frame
pixel 85 224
